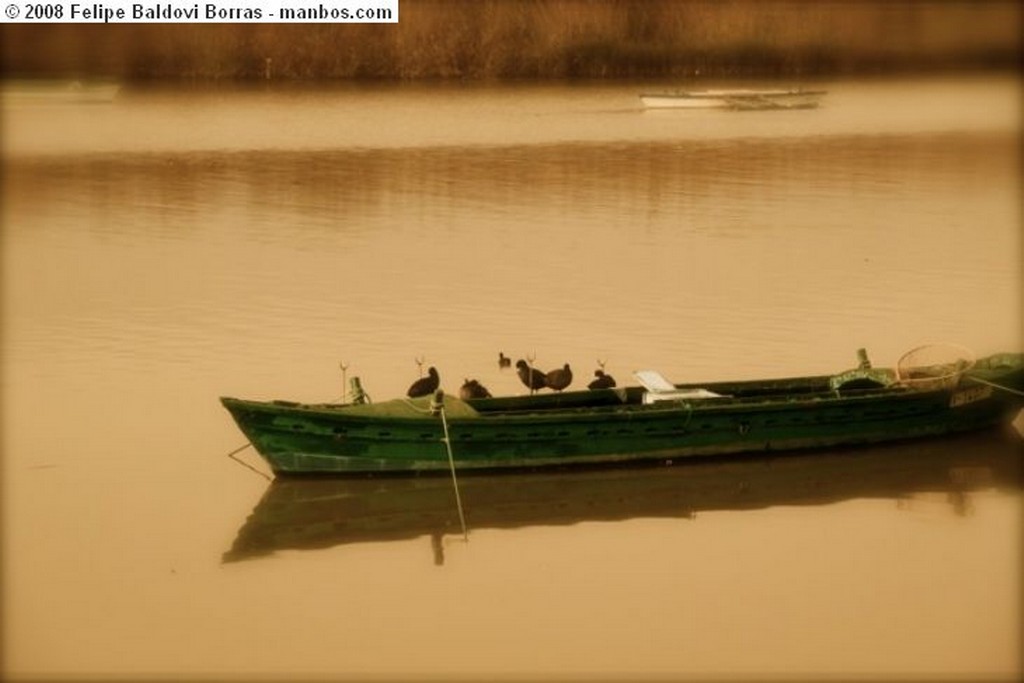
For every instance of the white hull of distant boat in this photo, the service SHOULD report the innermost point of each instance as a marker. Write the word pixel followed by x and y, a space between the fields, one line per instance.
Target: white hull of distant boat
pixel 734 99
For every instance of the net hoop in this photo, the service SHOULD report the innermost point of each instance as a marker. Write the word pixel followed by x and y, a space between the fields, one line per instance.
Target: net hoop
pixel 934 366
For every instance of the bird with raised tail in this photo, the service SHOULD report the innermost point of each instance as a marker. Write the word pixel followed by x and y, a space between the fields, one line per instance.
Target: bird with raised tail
pixel 425 386
pixel 532 377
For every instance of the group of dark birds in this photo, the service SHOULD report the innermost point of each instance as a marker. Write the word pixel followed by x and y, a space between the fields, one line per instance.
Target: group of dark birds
pixel 557 379
pixel 534 380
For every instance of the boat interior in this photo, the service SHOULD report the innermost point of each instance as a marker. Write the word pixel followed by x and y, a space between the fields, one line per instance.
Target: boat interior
pixel 713 392
pixel 653 390
pixel 864 380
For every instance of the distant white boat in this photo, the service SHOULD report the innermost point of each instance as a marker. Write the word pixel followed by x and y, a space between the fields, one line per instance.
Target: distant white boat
pixel 58 92
pixel 734 99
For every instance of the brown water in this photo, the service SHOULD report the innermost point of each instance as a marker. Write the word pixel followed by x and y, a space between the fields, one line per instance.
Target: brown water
pixel 172 247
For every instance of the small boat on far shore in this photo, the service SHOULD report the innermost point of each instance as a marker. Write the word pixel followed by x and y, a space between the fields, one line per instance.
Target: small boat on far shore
pixel 59 92
pixel 734 99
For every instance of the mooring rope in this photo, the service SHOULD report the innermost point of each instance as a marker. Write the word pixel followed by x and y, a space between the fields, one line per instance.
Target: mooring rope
pixel 241 448
pixel 451 464
pixel 412 406
pixel 245 464
pixel 997 386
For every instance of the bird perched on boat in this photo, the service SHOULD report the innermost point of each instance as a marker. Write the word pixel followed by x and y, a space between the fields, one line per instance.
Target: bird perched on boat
pixel 601 381
pixel 425 386
pixel 532 377
pixel 473 389
pixel 559 378
pixel 504 361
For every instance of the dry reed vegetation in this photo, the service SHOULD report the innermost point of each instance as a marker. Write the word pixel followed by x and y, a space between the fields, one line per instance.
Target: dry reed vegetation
pixel 513 39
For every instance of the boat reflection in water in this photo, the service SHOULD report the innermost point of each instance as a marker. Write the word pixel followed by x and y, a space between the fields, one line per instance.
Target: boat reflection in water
pixel 310 513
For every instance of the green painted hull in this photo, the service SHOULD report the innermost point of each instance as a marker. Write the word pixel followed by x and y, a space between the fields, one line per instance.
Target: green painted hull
pixel 311 513
pixel 615 426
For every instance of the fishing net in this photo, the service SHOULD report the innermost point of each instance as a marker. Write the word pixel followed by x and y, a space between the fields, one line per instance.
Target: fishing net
pixel 934 366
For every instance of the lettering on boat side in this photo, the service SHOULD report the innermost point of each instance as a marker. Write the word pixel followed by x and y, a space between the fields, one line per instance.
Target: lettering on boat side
pixel 962 398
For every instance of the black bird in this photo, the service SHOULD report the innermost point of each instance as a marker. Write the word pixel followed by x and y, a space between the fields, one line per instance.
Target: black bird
pixel 503 360
pixel 531 377
pixel 425 386
pixel 603 381
pixel 559 379
pixel 473 389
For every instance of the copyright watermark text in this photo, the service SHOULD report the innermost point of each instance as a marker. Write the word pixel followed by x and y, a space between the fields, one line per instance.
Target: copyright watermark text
pixel 217 11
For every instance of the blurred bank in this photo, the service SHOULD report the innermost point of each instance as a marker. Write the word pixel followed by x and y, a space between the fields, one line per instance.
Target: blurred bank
pixel 546 39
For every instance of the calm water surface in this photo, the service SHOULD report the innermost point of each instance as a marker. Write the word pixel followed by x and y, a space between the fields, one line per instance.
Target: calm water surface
pixel 172 247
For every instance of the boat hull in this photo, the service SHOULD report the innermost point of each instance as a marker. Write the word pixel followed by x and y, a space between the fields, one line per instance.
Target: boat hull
pixel 610 426
pixel 314 513
pixel 734 99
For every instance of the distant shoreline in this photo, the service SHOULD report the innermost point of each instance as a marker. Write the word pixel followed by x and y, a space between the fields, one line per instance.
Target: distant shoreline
pixel 556 40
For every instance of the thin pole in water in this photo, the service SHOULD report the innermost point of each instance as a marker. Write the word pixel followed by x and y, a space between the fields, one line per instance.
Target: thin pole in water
pixel 438 404
pixel 529 365
pixel 344 381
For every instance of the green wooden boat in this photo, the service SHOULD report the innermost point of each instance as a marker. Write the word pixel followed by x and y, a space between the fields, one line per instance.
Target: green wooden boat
pixel 312 513
pixel 652 421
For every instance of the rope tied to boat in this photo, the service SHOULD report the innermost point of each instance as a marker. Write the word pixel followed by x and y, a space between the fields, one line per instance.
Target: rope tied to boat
pixel 1010 390
pixel 241 462
pixel 437 407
